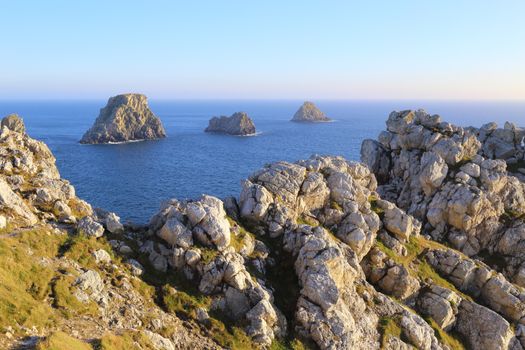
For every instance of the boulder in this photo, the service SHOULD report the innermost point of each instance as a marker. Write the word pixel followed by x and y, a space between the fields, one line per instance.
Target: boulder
pixel 89 227
pixel 482 328
pixel 125 118
pixel 237 124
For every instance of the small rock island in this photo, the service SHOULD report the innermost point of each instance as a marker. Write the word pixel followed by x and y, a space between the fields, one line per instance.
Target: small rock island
pixel 125 118
pixel 309 113
pixel 239 124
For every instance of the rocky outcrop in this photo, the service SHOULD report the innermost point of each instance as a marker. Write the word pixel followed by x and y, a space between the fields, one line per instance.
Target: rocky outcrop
pixel 422 248
pixel 125 118
pixel 308 112
pixel 14 123
pixel 438 173
pixel 58 271
pixel 237 124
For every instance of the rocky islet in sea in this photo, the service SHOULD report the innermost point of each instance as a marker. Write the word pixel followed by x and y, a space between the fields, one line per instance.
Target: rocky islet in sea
pixel 420 246
pixel 239 124
pixel 309 113
pixel 126 117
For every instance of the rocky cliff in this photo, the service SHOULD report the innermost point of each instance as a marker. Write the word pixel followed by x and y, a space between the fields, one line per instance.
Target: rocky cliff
pixel 125 118
pixel 308 112
pixel 420 246
pixel 237 124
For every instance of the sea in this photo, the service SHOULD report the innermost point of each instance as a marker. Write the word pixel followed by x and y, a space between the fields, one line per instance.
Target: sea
pixel 132 179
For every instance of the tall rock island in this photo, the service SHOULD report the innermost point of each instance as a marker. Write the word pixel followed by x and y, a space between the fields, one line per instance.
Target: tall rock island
pixel 237 124
pixel 126 117
pixel 309 112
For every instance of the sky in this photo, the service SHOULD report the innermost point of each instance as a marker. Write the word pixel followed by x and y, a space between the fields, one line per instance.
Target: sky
pixel 269 49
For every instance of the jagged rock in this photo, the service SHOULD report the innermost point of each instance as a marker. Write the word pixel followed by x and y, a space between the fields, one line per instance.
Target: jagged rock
pixel 89 227
pixel 136 268
pixel 113 224
pixel 308 112
pixel 176 234
pixel 237 124
pixel 441 304
pixel 125 118
pixel 10 201
pixel 396 221
pixel 398 282
pixel 14 123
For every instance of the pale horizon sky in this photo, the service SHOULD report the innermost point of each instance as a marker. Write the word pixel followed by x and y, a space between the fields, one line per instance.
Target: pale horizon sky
pixel 412 50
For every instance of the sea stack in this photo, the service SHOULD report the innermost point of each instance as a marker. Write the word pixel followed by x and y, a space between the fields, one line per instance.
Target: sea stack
pixel 126 117
pixel 237 124
pixel 308 112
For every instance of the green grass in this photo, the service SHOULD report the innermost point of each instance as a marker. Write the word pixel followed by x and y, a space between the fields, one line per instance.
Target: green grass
pixel 80 248
pixel 372 199
pixel 237 241
pixel 182 303
pixel 389 327
pixel 306 220
pixel 62 341
pixel 25 281
pixel 67 302
pixel 444 337
pixel 335 205
pixel 294 344
pixel 125 341
pixel 208 254
pixel 417 265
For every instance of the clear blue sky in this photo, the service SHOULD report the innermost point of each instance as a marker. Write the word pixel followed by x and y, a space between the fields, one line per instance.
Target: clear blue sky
pixel 263 49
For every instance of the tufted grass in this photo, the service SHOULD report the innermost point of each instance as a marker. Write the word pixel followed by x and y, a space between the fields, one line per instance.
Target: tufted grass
pixel 125 341
pixel 372 199
pixel 182 303
pixel 25 278
pixel 389 327
pixel 237 241
pixel 67 302
pixel 62 341
pixel 444 337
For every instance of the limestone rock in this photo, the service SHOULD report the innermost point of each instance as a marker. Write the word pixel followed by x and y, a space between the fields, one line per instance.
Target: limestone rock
pixel 482 328
pixel 14 123
pixel 125 118
pixel 237 124
pixel 89 227
pixel 308 112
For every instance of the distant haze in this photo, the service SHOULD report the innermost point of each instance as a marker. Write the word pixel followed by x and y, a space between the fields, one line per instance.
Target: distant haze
pixel 265 49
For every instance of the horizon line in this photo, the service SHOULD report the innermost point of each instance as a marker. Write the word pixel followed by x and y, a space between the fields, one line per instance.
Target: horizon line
pixel 162 99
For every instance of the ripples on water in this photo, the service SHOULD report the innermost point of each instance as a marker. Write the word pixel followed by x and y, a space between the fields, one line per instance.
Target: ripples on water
pixel 133 178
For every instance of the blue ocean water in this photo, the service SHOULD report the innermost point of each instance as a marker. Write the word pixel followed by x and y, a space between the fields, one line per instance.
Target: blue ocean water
pixel 132 179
